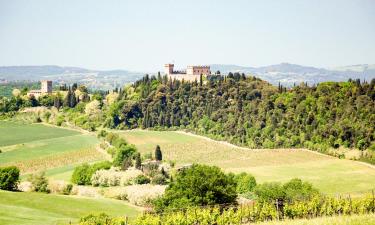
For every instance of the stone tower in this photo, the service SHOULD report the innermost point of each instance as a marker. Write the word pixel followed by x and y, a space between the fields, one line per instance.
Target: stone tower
pixel 46 86
pixel 168 68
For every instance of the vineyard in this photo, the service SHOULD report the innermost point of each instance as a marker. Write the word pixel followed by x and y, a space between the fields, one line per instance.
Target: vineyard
pixel 262 211
pixel 330 175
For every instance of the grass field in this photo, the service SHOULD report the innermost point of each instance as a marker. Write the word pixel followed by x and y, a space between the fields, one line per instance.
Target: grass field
pixel 330 175
pixel 17 133
pixel 35 208
pixel 36 147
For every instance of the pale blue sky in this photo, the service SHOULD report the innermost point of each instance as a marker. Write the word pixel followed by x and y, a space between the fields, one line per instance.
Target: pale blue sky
pixel 143 35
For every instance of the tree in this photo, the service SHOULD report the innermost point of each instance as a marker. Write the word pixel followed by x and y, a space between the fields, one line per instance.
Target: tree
pixel 158 154
pixel 198 185
pixel 9 178
pixel 245 183
pixel 138 160
pixel 123 153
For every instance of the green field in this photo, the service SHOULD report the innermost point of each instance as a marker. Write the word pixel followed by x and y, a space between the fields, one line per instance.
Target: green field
pixel 330 175
pixel 12 133
pixel 35 208
pixel 37 147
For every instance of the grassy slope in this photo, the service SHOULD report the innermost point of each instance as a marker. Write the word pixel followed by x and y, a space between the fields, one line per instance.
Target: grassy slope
pixel 336 220
pixel 16 133
pixel 38 147
pixel 330 175
pixel 35 208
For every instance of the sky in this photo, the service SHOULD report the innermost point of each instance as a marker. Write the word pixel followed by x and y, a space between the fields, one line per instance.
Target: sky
pixel 143 35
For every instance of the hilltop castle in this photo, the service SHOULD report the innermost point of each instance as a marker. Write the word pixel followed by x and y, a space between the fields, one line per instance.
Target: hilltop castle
pixel 191 73
pixel 46 88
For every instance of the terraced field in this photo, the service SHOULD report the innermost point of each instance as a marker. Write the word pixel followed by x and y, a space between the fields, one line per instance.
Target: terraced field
pixel 330 175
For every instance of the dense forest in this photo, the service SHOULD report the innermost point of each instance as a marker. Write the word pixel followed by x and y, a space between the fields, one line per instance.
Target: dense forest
pixel 248 111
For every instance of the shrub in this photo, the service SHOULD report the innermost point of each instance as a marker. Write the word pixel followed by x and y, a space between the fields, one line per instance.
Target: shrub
pixel 9 178
pixel 123 153
pixel 102 133
pixel 39 182
pixel 143 195
pixel 198 185
pixel 112 177
pixel 110 137
pixel 245 183
pixel 68 189
pixel 126 163
pixel 147 155
pixel 159 179
pixel 141 179
pixel 158 154
pixel 82 174
pixel 101 219
pixel 59 120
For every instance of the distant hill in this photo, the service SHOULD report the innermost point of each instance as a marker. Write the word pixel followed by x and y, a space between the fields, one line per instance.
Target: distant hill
pixel 94 79
pixel 285 73
pixel 288 74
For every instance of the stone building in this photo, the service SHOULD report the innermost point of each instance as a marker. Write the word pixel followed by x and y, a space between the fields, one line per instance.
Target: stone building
pixel 46 89
pixel 191 73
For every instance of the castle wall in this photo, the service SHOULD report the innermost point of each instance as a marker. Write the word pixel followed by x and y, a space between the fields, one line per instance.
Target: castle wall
pixel 185 77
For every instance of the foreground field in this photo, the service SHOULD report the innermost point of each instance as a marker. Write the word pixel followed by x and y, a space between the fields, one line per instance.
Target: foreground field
pixel 37 147
pixel 335 220
pixel 35 208
pixel 330 175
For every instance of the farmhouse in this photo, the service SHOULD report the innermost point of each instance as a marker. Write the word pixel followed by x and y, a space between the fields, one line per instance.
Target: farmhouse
pixel 46 89
pixel 191 73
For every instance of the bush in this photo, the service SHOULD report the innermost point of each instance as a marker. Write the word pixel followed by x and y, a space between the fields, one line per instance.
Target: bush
pixel 159 179
pixel 82 174
pixel 9 178
pixel 198 185
pixel 110 137
pixel 68 189
pixel 124 153
pixel 102 134
pixel 106 178
pixel 39 182
pixel 141 179
pixel 101 219
pixel 245 183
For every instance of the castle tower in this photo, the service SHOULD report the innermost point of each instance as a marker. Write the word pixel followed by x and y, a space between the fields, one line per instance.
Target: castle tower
pixel 168 68
pixel 46 86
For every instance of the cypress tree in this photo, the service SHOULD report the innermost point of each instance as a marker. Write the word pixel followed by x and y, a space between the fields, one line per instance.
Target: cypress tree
pixel 158 154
